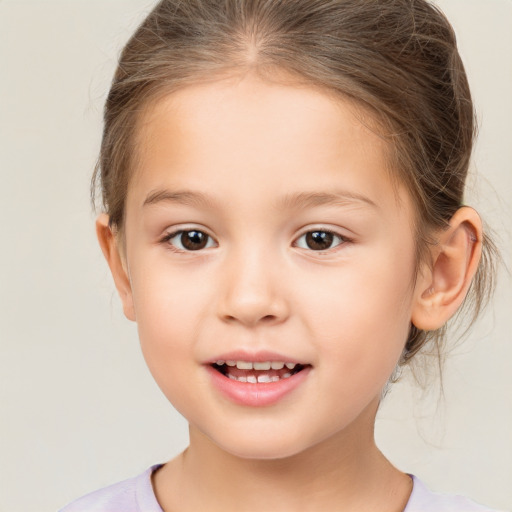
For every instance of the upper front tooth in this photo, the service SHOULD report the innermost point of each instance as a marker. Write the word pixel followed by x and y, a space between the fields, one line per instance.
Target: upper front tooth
pixel 277 366
pixel 244 365
pixel 231 363
pixel 261 366
pixel 290 366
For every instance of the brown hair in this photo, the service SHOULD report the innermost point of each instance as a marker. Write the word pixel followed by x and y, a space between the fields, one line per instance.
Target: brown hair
pixel 396 58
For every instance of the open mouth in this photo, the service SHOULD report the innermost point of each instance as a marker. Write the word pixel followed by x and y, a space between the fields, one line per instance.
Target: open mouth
pixel 257 372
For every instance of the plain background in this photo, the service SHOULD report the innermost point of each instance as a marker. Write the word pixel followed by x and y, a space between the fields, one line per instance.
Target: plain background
pixel 79 409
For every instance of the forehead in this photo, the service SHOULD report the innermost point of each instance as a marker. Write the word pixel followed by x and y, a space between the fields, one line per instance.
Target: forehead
pixel 258 108
pixel 243 128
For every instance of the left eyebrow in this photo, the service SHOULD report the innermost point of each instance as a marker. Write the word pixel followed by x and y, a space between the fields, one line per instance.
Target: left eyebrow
pixel 290 201
pixel 336 198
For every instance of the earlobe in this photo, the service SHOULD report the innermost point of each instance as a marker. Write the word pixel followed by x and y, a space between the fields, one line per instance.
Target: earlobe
pixel 110 248
pixel 442 287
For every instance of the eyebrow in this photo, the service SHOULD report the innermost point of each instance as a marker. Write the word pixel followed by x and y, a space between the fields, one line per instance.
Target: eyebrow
pixel 186 197
pixel 336 198
pixel 289 201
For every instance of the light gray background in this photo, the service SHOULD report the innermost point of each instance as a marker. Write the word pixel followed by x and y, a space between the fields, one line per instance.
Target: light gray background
pixel 79 410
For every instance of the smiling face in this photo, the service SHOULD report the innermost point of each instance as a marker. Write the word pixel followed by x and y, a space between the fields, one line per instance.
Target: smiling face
pixel 262 226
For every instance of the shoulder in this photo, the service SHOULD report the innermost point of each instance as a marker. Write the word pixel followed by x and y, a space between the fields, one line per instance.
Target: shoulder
pixel 132 495
pixel 424 500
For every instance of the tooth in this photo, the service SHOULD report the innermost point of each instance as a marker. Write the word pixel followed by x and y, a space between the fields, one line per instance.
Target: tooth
pixel 277 366
pixel 275 378
pixel 252 379
pixel 244 365
pixel 232 377
pixel 290 366
pixel 261 366
pixel 242 378
pixel 231 363
pixel 263 378
pixel 286 375
pixel 220 362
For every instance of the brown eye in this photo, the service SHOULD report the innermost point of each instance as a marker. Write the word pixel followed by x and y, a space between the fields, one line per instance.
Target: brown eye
pixel 193 240
pixel 190 240
pixel 319 240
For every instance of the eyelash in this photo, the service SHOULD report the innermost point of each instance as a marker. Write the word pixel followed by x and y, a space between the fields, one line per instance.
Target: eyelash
pixel 167 239
pixel 341 240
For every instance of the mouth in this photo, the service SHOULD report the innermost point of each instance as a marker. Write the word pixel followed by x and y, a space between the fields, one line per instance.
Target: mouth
pixel 258 380
pixel 258 372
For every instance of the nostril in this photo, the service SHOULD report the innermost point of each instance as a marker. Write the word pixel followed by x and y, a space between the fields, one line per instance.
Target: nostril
pixel 252 303
pixel 249 319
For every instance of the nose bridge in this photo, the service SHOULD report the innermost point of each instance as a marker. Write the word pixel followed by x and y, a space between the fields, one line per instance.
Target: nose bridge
pixel 251 291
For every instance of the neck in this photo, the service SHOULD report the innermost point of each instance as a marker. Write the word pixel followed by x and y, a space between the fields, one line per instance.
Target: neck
pixel 345 472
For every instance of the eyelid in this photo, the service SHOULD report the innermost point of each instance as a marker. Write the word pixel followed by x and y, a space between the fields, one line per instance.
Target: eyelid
pixel 175 231
pixel 343 239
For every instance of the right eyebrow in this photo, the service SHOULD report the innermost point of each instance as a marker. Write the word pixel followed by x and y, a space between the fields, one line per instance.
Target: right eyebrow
pixel 292 201
pixel 186 197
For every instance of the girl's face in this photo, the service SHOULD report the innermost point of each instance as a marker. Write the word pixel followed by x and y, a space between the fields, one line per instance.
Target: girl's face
pixel 262 227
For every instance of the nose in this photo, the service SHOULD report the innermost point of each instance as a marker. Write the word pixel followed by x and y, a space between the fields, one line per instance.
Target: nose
pixel 252 290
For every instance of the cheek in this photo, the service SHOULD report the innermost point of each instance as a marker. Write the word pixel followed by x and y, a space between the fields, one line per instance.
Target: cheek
pixel 166 330
pixel 169 311
pixel 361 319
pixel 168 300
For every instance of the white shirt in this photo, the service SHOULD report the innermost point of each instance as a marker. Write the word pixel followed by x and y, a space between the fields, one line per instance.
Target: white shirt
pixel 136 495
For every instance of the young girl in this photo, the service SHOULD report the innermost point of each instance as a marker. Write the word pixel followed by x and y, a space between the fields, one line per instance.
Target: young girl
pixel 282 185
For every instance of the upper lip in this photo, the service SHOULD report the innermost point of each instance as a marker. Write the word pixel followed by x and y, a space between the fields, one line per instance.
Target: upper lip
pixel 259 356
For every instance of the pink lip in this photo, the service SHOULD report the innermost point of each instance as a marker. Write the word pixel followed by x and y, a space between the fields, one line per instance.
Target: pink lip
pixel 260 394
pixel 260 356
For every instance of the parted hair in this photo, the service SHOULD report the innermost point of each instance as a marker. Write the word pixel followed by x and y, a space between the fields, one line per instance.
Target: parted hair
pixel 396 59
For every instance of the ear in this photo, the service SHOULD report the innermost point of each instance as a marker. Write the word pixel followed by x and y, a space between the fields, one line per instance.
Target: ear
pixel 442 286
pixel 110 246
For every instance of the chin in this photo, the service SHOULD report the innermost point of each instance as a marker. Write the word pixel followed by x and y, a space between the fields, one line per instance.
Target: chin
pixel 262 452
pixel 262 446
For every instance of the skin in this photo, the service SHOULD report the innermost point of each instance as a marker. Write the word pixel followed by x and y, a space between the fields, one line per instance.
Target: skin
pixel 255 150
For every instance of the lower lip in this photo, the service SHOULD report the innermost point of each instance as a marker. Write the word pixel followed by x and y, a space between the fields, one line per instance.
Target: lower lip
pixel 260 394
